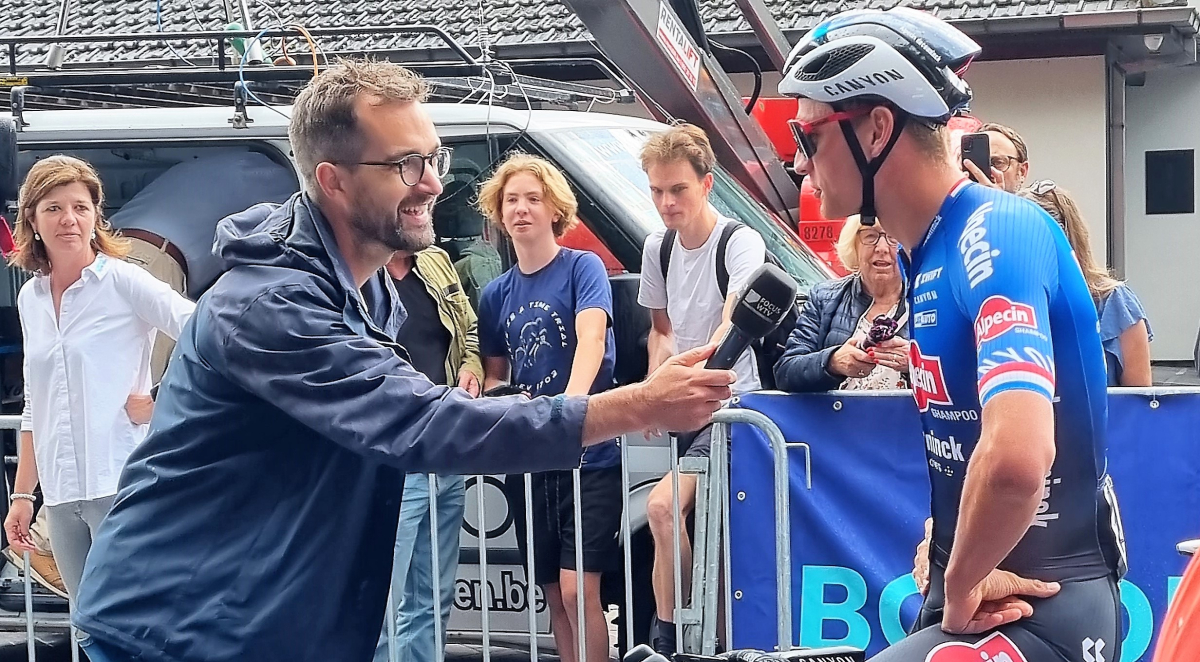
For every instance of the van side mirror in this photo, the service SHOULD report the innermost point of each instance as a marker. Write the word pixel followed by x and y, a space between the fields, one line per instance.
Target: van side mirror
pixel 9 181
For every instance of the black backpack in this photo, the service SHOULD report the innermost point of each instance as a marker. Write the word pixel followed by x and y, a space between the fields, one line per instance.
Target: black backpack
pixel 767 350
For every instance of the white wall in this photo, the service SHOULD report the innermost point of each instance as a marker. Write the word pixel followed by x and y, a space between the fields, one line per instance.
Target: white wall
pixel 1058 107
pixel 1161 250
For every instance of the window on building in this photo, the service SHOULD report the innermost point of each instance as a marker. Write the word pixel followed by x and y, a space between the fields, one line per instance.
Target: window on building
pixel 1171 181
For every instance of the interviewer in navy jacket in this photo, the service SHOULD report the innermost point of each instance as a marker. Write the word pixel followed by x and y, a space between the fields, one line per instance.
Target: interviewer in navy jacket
pixel 257 520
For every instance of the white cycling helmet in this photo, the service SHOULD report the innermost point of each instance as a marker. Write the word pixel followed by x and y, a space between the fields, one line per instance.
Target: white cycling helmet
pixel 902 57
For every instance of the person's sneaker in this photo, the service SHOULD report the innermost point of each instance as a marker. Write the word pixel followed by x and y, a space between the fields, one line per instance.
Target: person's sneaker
pixel 42 569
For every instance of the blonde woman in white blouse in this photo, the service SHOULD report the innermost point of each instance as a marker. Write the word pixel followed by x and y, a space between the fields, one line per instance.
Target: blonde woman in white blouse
pixel 88 320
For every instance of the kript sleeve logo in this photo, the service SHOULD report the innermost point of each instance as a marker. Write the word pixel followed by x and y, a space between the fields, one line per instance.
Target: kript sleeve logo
pixel 929 384
pixel 998 315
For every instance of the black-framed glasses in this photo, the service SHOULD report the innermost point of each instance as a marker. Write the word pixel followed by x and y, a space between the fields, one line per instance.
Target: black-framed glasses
pixel 1002 162
pixel 411 168
pixel 802 131
pixel 871 238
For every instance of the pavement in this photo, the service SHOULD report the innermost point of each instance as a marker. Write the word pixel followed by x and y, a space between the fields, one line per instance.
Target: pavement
pixel 1175 373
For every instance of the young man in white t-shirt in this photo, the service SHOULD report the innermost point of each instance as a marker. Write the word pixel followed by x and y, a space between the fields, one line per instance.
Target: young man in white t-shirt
pixel 687 310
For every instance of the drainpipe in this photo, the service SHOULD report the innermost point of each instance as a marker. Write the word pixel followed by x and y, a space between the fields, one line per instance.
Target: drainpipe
pixel 1114 113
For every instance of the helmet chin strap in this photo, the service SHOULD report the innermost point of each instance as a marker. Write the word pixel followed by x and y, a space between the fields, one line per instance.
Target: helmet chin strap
pixel 869 168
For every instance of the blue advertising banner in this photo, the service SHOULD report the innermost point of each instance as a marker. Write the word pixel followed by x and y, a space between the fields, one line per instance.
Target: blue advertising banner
pixel 854 534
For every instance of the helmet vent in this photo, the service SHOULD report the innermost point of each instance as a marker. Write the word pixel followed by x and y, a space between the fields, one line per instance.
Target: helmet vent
pixel 833 63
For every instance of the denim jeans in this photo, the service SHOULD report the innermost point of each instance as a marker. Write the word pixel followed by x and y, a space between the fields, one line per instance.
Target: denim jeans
pixel 412 567
pixel 73 526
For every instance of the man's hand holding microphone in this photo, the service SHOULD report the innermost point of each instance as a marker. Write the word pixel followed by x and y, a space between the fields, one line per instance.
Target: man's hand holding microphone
pixel 690 386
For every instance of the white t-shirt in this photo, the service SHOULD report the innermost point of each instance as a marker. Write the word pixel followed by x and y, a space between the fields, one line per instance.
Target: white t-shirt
pixel 691 297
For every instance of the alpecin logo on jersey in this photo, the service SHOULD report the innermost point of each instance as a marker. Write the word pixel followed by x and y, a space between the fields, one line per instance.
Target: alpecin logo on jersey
pixel 996 648
pixel 977 253
pixel 929 384
pixel 998 315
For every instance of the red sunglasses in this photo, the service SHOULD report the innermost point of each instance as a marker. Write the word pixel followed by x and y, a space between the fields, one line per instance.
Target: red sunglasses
pixel 802 131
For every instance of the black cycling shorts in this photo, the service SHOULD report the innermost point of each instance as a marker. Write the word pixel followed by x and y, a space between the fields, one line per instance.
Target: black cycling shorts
pixel 1082 623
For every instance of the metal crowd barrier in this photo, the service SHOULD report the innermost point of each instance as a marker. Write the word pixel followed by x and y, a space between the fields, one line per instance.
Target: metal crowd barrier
pixel 701 620
pixel 698 618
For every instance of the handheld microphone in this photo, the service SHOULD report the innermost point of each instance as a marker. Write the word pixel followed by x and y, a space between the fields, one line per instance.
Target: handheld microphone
pixel 758 310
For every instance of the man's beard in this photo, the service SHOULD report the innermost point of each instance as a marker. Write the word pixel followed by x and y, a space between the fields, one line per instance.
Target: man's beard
pixel 385 227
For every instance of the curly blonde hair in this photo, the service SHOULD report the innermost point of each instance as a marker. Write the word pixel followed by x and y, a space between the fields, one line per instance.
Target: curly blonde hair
pixel 45 176
pixel 557 191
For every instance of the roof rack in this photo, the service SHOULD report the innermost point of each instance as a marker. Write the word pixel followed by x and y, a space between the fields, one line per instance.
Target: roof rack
pixel 221 78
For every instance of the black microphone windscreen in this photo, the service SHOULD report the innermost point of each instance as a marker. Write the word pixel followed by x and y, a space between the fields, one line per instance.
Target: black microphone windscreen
pixel 760 308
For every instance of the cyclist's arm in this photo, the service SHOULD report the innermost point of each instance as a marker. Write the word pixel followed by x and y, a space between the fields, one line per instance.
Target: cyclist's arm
pixel 1003 488
pixel 1016 380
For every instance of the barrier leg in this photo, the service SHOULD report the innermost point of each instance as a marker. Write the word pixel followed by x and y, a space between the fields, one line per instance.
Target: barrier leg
pixel 439 646
pixel 74 632
pixel 726 543
pixel 676 559
pixel 30 642
pixel 530 575
pixel 627 546
pixel 691 615
pixel 484 587
pixel 580 607
pixel 711 570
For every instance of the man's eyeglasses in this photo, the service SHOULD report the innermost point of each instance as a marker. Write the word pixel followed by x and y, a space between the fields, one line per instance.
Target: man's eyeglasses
pixel 802 131
pixel 871 238
pixel 412 167
pixel 1002 162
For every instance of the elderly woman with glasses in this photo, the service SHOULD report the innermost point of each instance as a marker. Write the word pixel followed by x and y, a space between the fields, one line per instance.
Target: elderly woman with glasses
pixel 851 332
pixel 1124 329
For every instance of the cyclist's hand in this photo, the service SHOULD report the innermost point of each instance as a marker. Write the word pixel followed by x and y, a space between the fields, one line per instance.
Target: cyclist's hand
pixel 921 560
pixel 16 525
pixel 993 602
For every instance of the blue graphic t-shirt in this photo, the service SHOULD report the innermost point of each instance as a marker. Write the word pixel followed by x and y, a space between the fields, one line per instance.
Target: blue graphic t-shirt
pixel 530 319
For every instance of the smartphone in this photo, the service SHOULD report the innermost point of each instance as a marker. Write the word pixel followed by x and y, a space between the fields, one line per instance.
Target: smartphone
pixel 977 149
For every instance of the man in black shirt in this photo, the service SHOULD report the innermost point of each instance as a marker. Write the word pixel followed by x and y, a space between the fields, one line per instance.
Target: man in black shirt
pixel 439 334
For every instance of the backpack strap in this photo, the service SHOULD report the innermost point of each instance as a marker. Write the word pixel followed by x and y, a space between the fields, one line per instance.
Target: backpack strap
pixel 664 254
pixel 722 267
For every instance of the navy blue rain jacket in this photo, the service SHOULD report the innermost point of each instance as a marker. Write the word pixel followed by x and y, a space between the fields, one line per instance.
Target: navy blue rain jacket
pixel 257 520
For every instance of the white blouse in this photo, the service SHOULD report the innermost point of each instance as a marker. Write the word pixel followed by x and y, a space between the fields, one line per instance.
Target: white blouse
pixel 81 367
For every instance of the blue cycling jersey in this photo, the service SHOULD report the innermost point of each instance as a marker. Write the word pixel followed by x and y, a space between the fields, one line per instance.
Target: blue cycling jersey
pixel 999 304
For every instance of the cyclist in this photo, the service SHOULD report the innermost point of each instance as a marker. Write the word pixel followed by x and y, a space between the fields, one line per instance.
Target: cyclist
pixel 1006 363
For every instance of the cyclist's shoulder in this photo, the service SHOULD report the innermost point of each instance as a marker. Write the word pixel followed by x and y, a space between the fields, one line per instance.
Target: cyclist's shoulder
pixel 986 206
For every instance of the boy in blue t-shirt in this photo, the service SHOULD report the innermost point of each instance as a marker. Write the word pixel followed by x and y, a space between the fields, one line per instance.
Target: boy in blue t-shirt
pixel 545 328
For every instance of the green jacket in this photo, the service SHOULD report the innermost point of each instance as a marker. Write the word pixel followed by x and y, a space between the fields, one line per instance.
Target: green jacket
pixel 434 268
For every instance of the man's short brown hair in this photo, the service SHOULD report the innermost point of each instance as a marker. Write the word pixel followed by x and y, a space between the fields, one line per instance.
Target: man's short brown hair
pixel 683 142
pixel 1008 132
pixel 324 127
